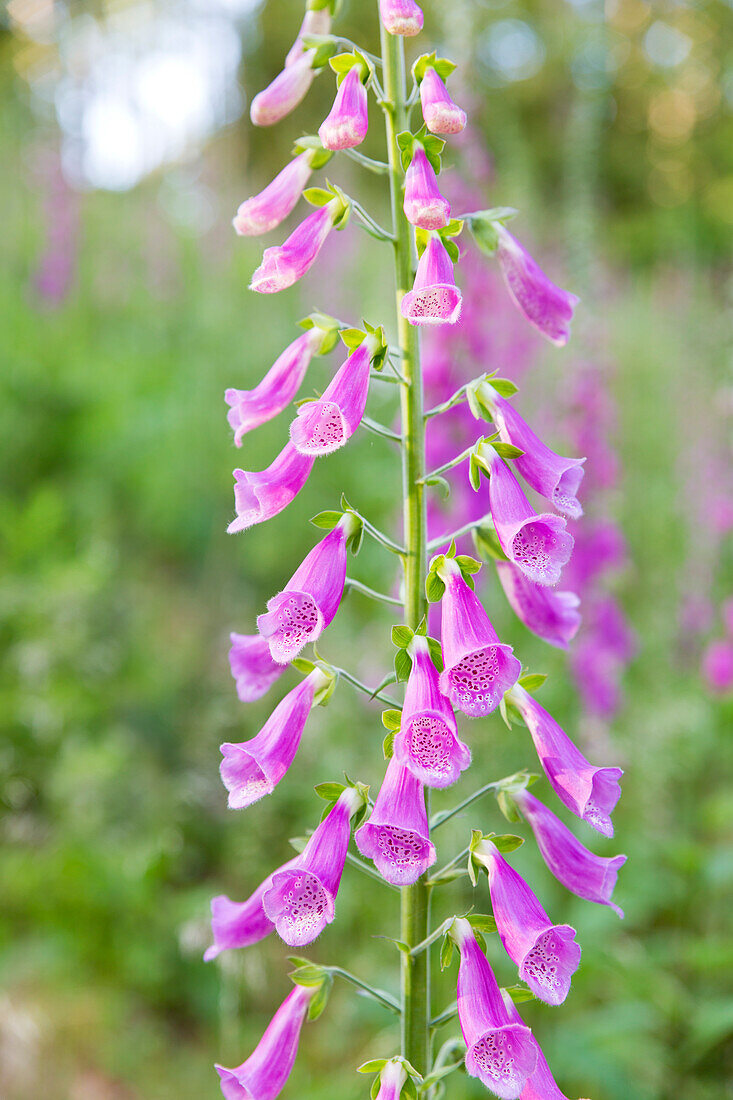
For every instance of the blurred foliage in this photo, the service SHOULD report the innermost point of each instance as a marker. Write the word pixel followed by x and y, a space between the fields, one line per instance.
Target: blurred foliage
pixel 120 586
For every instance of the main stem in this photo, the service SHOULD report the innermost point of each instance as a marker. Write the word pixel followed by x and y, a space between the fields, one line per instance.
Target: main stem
pixel 415 909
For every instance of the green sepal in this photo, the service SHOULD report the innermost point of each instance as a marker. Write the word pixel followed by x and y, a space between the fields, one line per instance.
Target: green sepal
pixel 402 635
pixel 446 952
pixel 391 719
pixel 402 665
pixel 468 564
pixel 482 224
pixel 375 1066
pixel 436 652
pixel 326 520
pixel 317 196
pixel 519 993
pixel 532 680
pixel 319 1002
pixel 320 196
pixel 507 842
pixel 323 44
pixel 508 807
pixel 311 143
pixel 309 974
pixel 482 922
pixel 352 337
pixel 442 66
pixel 442 484
pixel 328 324
pixel 343 63
pixel 322 696
pixel 298 960
pixel 507 450
pixel 388 744
pixel 487 544
pixel 302 664
pixel 474 473
pixel 434 587
pixel 329 792
pixel 504 712
pixel 504 387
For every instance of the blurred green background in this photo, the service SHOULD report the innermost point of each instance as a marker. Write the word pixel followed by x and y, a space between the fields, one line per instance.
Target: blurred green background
pixel 125 315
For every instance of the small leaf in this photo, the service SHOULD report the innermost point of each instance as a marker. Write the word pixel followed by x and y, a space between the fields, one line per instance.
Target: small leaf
pixel 434 587
pixel 519 993
pixel 532 681
pixel 388 745
pixel 468 564
pixel 319 1002
pixel 487 544
pixel 402 636
pixel 482 922
pixel 376 1065
pixel 452 249
pixel 508 807
pixel 391 719
pixel 402 665
pixel 317 196
pixel 352 337
pixel 446 952
pixel 298 960
pixel 326 520
pixel 507 842
pixel 441 482
pixel 302 664
pixel 505 387
pixel 329 792
pixel 453 229
pixel 421 240
pixel 307 975
pixel 508 450
pixel 402 947
pixel 474 474
pixel 436 653
pixel 444 877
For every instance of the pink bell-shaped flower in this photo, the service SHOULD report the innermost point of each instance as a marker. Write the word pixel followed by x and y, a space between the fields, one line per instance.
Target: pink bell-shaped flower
pixel 265 1073
pixel 396 836
pixel 580 871
pixel 541 1084
pixel 325 425
pixel 500 1053
pixel 252 769
pixel 434 299
pixel 551 615
pixel 427 742
pixel 253 668
pixel 402 17
pixel 301 612
pixel 590 793
pixel 423 204
pixel 348 120
pixel 236 924
pixel 538 544
pixel 478 667
pixel 284 93
pixel 284 264
pixel 301 899
pixel 315 21
pixel 545 305
pixel 260 495
pixel 440 113
pixel 545 953
pixel 391 1079
pixel 248 409
pixel 270 207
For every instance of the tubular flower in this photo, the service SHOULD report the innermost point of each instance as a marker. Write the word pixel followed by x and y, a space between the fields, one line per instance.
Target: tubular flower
pixel 427 742
pixel 541 1084
pixel 270 207
pixel 545 305
pixel 252 769
pixel 434 299
pixel 478 667
pixel 500 1053
pixel 440 113
pixel 391 1080
pixel 552 616
pixel 252 666
pixel 396 836
pixel 401 17
pixel 581 872
pixel 260 495
pixel 285 92
pixel 249 409
pixel 264 1075
pixel 300 613
pixel 555 478
pixel 590 793
pixel 423 204
pixel 325 425
pixel 300 900
pixel 315 21
pixel 284 264
pixel 545 953
pixel 348 120
pixel 239 923
pixel 538 544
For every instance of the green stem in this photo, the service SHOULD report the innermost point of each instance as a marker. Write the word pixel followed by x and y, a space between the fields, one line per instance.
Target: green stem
pixel 379 995
pixel 415 908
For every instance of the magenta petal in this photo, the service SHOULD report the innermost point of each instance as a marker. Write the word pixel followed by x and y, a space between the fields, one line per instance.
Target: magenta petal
pixel 551 615
pixel 401 17
pixel 315 21
pixel 434 298
pixel 348 121
pixel 237 924
pixel 283 265
pixel 325 425
pixel 260 495
pixel 427 742
pixel 590 793
pixel 580 871
pixel 541 1084
pixel 396 836
pixel 264 1075
pixel 252 666
pixel 545 305
pixel 267 210
pixel 309 601
pixel 423 204
pixel 285 92
pixel 478 667
pixel 251 408
pixel 440 114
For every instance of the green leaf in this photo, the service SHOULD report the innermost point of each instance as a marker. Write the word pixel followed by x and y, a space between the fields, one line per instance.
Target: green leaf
pixel 474 473
pixel 319 1002
pixel 309 975
pixel 298 960
pixel 452 249
pixel 519 993
pixel 329 792
pixel 532 681
pixel 391 719
pixel 442 66
pixel 508 807
pixel 406 143
pixel 482 922
pixel 326 520
pixel 402 665
pixel 302 664
pixel 441 482
pixel 402 635
pixel 436 653
pixel 468 564
pixel 487 544
pixel 375 1066
pixel 446 952
pixel 508 450
pixel 352 337
pixel 434 587
pixel 317 196
pixel 454 228
pixel 388 745
pixel 421 240
pixel 505 387
pixel 507 842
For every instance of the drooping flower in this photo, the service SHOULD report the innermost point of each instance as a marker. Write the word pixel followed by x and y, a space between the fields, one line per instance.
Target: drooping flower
pixel 270 207
pixel 262 494
pixel 391 1079
pixel 478 667
pixel 541 1084
pixel 284 264
pixel 348 120
pixel 538 544
pixel 301 898
pixel 325 425
pixel 545 305
pixel 555 478
pixel 427 742
pixel 440 113
pixel 545 953
pixel 264 1075
pixel 401 17
pixel 252 666
pixel 396 836
pixel 580 871
pixel 252 769
pixel 434 299
pixel 500 1053
pixel 237 924
pixel 301 612
pixel 315 21
pixel 551 615
pixel 590 793
pixel 285 92
pixel 423 204
pixel 248 409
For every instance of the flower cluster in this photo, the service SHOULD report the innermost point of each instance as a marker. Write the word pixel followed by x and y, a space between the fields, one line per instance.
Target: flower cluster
pixel 462 667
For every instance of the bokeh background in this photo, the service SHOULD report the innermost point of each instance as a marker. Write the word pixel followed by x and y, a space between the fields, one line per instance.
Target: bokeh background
pixel 125 315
